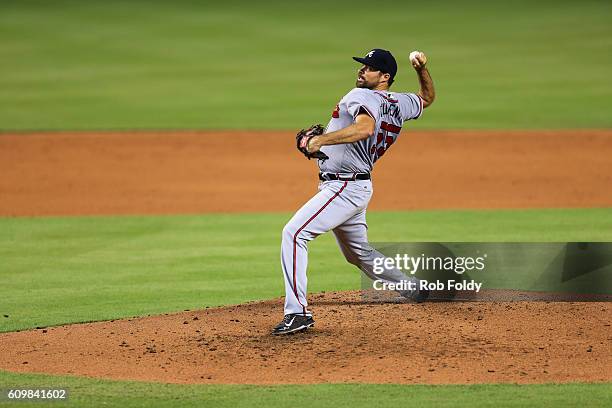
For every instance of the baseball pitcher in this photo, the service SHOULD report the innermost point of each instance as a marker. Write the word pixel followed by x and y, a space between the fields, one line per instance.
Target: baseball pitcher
pixel 364 125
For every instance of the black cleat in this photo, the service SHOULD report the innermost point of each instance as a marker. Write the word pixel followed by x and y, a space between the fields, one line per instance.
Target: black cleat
pixel 293 323
pixel 417 296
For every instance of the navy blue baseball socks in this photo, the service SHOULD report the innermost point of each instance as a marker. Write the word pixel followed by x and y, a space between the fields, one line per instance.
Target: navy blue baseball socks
pixel 417 296
pixel 293 323
pixel 421 295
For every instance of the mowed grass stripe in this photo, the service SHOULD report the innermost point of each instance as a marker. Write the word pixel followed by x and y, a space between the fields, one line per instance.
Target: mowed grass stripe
pixel 281 65
pixel 74 269
pixel 124 394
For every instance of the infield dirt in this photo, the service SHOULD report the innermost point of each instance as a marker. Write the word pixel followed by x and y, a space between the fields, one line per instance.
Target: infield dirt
pixel 196 172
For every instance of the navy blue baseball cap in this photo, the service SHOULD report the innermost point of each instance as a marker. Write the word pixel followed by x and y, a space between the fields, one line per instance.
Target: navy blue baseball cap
pixel 380 59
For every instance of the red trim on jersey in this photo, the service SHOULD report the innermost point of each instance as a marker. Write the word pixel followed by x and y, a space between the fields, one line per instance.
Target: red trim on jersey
pixel 295 243
pixel 366 111
pixel 421 105
pixel 386 96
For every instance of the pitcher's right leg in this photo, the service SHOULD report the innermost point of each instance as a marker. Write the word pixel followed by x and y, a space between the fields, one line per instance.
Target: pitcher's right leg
pixel 352 238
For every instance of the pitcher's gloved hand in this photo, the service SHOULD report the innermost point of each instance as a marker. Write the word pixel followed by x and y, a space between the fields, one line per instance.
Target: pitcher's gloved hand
pixel 303 139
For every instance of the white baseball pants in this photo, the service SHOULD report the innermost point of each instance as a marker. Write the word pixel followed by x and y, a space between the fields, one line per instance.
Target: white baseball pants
pixel 339 206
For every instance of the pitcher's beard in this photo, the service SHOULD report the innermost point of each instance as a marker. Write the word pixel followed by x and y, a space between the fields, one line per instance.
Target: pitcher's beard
pixel 361 84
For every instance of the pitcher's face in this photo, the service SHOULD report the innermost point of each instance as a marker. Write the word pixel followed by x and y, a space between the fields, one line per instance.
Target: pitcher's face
pixel 370 77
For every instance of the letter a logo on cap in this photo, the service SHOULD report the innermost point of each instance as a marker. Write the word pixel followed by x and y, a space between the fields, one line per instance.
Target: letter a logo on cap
pixel 370 54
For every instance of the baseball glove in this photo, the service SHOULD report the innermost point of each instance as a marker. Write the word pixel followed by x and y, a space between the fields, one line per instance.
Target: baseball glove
pixel 303 138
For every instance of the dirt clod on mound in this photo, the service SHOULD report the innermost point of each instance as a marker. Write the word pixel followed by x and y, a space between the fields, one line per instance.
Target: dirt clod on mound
pixel 510 342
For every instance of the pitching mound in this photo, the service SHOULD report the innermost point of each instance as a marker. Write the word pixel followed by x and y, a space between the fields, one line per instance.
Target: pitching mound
pixel 510 342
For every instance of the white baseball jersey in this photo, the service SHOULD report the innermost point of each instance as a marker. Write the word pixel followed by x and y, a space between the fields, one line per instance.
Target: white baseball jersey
pixel 341 205
pixel 388 109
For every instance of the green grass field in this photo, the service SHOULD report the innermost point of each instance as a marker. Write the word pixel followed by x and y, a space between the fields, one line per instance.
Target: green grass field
pixel 59 270
pixel 90 392
pixel 238 64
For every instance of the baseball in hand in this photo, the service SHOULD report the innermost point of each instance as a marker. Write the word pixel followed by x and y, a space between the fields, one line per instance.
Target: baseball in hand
pixel 418 59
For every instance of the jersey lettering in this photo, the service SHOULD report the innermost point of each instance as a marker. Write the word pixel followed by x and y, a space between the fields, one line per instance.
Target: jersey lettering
pixel 385 138
pixel 389 109
pixel 336 112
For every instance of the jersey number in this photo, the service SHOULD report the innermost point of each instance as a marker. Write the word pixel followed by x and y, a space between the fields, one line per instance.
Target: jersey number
pixel 385 138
